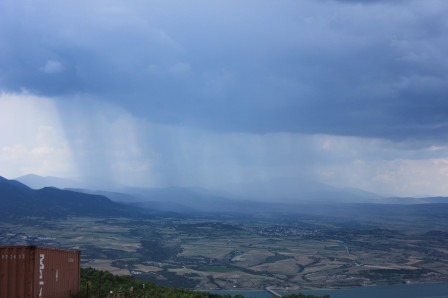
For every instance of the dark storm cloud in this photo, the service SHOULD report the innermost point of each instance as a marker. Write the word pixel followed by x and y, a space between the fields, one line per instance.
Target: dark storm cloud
pixel 328 67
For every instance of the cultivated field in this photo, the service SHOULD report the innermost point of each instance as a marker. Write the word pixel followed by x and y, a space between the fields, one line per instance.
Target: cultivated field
pixel 232 254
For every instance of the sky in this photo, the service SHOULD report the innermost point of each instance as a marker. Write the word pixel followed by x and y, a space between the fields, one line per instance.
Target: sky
pixel 208 93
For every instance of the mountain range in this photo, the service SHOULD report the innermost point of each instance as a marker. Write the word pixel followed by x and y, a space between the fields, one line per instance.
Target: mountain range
pixel 280 190
pixel 38 182
pixel 285 190
pixel 18 200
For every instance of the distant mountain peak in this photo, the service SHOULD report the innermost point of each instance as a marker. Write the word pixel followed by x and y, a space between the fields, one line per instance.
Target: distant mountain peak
pixel 37 182
pixel 14 183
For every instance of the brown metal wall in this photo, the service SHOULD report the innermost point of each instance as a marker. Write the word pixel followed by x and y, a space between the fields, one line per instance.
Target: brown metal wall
pixel 56 272
pixel 16 271
pixel 30 271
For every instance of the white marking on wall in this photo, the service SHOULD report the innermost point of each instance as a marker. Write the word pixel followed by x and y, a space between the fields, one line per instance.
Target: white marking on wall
pixel 41 273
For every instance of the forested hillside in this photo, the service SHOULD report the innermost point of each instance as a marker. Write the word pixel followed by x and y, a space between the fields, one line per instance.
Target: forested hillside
pixel 95 283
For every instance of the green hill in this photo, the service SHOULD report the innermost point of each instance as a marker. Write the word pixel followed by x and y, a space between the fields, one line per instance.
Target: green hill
pixel 95 283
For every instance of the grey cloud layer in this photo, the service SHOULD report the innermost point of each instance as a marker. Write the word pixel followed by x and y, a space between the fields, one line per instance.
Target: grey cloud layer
pixel 330 67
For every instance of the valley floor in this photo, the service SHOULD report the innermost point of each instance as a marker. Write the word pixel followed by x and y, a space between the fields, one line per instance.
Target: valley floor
pixel 204 253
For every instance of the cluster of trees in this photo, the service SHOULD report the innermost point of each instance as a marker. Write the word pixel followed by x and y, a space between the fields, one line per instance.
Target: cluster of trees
pixel 95 283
